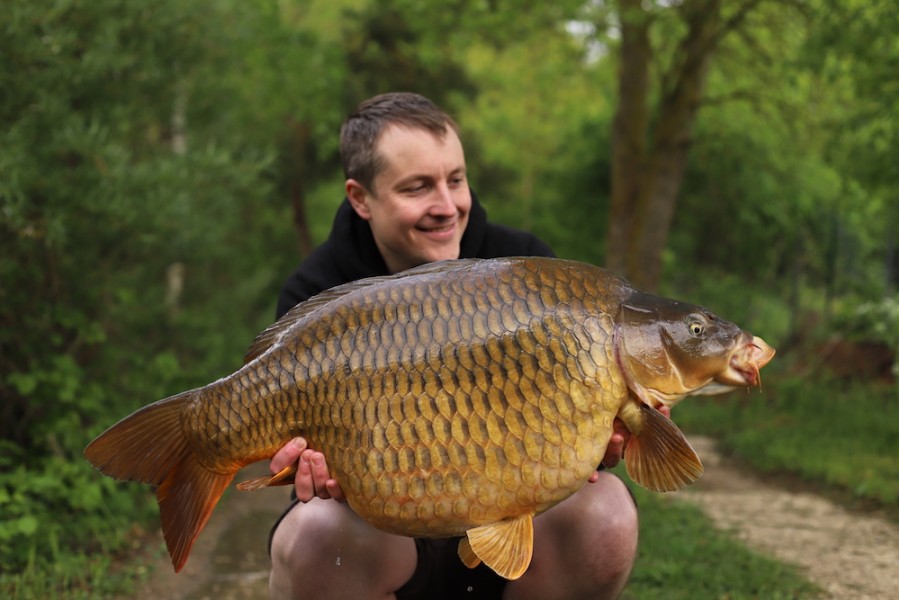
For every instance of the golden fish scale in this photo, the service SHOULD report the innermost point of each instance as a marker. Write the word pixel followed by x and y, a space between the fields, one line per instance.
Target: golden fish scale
pixel 440 403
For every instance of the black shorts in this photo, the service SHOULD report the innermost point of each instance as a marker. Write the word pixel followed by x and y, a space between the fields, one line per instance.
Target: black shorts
pixel 439 573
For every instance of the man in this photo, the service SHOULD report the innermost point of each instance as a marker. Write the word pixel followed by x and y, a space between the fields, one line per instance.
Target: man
pixel 408 203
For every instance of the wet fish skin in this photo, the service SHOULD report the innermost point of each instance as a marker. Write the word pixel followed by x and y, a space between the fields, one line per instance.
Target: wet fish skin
pixel 442 401
pixel 458 397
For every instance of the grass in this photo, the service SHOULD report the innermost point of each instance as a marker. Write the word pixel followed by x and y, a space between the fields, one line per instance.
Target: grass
pixel 682 556
pixel 85 559
pixel 839 434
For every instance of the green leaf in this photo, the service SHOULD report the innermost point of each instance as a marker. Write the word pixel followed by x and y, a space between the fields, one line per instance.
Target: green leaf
pixel 25 383
pixel 27 525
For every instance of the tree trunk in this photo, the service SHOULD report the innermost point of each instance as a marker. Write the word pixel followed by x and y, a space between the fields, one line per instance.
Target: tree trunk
pixel 297 168
pixel 648 171
pixel 629 135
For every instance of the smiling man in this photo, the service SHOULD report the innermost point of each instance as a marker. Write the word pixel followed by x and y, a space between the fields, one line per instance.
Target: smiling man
pixel 419 209
pixel 408 202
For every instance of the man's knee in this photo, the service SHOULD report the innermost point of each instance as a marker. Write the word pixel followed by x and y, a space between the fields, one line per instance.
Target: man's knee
pixel 305 533
pixel 613 527
pixel 323 548
pixel 604 517
pixel 616 507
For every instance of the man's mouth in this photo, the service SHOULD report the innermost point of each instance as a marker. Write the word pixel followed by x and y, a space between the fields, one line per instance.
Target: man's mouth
pixel 451 227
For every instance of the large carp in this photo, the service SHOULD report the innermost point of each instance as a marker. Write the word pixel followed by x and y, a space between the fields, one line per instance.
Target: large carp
pixel 462 397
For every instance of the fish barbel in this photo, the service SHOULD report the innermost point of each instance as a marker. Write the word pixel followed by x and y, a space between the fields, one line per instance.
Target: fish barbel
pixel 457 398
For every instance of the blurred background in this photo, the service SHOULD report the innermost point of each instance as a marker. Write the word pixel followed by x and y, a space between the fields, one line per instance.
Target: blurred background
pixel 164 166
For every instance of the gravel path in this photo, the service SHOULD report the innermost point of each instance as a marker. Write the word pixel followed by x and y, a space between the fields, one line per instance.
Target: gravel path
pixel 849 555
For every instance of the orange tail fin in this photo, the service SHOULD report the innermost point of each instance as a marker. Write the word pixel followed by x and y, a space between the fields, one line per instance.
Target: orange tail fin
pixel 150 446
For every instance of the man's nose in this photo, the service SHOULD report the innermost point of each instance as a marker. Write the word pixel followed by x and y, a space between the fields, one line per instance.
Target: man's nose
pixel 442 202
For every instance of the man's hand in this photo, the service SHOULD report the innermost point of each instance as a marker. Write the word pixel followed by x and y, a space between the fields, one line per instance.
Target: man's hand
pixel 313 480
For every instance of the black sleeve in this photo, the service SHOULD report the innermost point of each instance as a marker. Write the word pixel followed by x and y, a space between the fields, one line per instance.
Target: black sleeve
pixel 317 273
pixel 501 241
pixel 295 290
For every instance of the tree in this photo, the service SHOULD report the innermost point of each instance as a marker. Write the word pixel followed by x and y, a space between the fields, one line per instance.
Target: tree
pixel 653 123
pixel 140 246
pixel 853 46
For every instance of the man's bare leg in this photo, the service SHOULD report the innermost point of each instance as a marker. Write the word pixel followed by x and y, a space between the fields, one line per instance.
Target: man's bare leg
pixel 322 549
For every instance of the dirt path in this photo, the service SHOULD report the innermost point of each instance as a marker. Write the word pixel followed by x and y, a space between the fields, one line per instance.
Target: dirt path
pixel 847 554
pixel 229 561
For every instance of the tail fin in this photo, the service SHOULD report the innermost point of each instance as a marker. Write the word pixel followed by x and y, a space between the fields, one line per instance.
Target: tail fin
pixel 150 446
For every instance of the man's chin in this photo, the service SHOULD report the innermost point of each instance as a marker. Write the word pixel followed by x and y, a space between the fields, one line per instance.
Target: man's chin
pixel 443 252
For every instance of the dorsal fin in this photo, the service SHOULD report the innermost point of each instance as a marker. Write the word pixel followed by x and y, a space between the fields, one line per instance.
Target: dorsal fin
pixel 274 332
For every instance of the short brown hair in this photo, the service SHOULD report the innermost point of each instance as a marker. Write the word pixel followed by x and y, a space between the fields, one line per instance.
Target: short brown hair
pixel 362 129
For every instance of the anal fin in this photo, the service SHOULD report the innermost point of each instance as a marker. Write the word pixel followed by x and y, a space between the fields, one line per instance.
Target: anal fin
pixel 506 546
pixel 467 555
pixel 658 455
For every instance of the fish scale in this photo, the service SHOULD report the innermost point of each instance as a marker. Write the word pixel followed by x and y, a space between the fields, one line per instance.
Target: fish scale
pixel 463 397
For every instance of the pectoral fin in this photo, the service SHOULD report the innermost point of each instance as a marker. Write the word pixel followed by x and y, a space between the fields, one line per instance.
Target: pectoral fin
pixel 506 546
pixel 283 477
pixel 657 456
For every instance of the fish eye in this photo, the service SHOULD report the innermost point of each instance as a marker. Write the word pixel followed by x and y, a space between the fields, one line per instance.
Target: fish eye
pixel 696 327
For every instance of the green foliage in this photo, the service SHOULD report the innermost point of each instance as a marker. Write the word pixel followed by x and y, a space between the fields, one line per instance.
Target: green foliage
pixel 63 526
pixel 141 247
pixel 877 321
pixel 537 140
pixel 682 556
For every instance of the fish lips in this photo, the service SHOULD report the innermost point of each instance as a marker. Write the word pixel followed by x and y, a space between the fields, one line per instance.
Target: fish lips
pixel 745 363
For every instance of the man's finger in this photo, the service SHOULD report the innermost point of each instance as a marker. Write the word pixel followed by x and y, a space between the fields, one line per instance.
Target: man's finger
pixel 287 455
pixel 304 485
pixel 614 451
pixel 320 475
pixel 335 490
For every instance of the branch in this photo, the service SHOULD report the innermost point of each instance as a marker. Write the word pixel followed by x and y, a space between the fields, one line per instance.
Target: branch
pixel 749 94
pixel 736 19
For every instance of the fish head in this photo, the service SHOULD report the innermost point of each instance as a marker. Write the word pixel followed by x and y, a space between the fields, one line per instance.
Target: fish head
pixel 669 350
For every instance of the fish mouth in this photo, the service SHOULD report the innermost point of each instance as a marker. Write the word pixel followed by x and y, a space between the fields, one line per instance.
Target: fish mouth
pixel 746 362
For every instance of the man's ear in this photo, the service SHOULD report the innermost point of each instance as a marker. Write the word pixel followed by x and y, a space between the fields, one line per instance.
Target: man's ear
pixel 359 198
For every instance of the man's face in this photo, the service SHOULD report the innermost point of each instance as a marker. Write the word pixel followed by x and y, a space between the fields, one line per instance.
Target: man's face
pixel 419 207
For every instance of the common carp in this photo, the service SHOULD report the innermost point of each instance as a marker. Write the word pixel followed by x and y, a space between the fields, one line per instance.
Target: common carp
pixel 457 398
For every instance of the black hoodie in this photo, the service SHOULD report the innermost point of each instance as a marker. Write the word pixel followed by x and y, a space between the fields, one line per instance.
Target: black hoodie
pixel 350 252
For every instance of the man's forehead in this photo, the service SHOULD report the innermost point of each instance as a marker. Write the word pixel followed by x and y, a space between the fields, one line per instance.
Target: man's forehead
pixel 411 144
pixel 395 131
